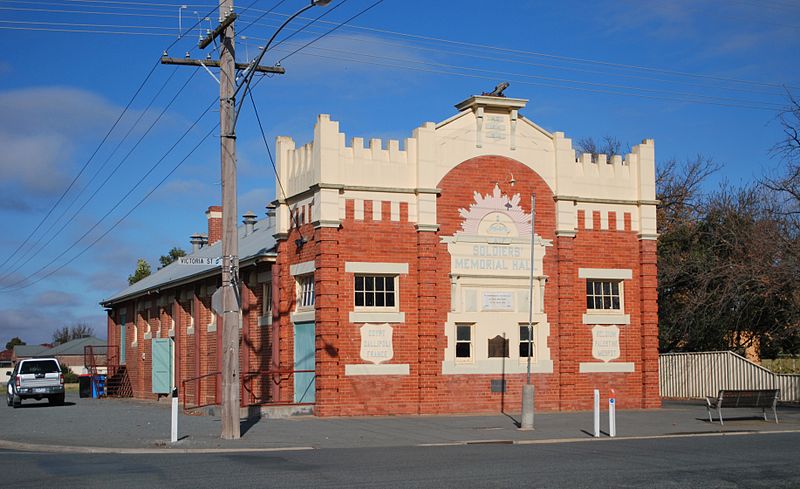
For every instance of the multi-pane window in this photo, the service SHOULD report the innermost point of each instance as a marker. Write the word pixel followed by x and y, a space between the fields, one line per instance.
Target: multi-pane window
pixel 266 305
pixel 523 341
pixel 464 341
pixel 375 291
pixel 603 295
pixel 305 297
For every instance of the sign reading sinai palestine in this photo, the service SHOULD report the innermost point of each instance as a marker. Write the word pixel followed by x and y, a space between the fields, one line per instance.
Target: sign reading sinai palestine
pixel 494 239
pixel 376 343
pixel 605 343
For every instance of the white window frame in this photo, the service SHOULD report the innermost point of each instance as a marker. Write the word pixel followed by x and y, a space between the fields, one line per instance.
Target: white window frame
pixel 472 344
pixel 305 292
pixel 611 275
pixel 532 353
pixel 620 296
pixel 377 314
pixel 266 299
pixel 374 308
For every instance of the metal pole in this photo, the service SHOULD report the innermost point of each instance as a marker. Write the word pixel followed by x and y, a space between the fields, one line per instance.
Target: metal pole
pixel 230 244
pixel 530 287
pixel 528 393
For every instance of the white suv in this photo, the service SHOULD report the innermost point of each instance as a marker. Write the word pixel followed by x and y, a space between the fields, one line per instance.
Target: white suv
pixel 36 378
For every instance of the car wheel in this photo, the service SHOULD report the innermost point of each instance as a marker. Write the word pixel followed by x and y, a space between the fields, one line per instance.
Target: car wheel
pixel 16 401
pixel 8 400
pixel 57 400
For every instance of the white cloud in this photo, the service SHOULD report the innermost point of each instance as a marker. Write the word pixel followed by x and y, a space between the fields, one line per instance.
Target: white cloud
pixel 256 200
pixel 335 60
pixel 34 161
pixel 55 298
pixel 48 124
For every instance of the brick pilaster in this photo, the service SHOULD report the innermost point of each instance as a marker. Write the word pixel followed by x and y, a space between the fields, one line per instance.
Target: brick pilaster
pixel 649 313
pixel 567 366
pixel 429 350
pixel 327 302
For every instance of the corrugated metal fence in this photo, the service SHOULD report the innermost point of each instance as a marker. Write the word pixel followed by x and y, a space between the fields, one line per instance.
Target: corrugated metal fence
pixel 697 375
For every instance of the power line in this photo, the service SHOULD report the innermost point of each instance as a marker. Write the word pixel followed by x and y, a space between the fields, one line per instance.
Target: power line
pixel 582 89
pixel 422 38
pixel 94 153
pixel 83 168
pixel 559 80
pixel 375 4
pixel 695 97
pixel 251 73
pixel 266 144
pixel 32 248
pixel 121 200
pixel 561 57
pixel 118 221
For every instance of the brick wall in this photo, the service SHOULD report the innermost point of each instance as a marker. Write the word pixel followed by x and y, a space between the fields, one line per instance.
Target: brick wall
pixel 424 298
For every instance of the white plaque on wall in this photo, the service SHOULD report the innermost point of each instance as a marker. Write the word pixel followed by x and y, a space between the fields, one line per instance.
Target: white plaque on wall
pixel 376 343
pixel 605 343
pixel 498 301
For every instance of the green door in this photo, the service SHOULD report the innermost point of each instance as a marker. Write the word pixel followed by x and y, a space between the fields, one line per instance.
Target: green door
pixel 122 337
pixel 162 365
pixel 304 350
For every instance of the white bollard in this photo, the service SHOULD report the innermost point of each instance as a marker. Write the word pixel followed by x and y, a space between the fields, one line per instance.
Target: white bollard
pixel 174 434
pixel 612 415
pixel 597 413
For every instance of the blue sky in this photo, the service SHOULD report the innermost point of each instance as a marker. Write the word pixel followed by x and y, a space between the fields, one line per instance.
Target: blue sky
pixel 700 77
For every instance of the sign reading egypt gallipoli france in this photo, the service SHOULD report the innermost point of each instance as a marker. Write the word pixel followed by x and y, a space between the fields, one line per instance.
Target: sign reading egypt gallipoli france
pixel 376 343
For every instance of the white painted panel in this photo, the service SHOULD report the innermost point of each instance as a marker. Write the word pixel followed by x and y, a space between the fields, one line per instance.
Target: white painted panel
pixel 377 317
pixel 606 319
pixel 602 367
pixel 369 369
pixel 605 273
pixel 302 268
pixel 376 267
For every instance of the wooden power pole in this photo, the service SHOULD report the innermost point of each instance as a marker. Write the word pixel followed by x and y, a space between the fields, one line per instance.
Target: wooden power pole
pixel 230 243
pixel 230 240
pixel 231 307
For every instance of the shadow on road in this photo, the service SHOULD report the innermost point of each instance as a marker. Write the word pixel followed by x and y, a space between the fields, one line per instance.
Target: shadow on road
pixel 43 404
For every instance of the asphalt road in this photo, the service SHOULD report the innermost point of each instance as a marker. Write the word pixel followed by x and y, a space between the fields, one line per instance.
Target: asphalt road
pixel 752 460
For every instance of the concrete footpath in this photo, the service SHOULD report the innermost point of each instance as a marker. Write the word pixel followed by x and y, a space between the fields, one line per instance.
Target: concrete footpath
pixel 128 426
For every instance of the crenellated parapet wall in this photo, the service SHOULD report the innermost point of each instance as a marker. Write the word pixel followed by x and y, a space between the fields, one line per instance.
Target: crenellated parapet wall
pixel 335 169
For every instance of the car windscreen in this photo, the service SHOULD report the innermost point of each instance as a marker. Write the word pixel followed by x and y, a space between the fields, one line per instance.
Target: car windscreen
pixel 39 367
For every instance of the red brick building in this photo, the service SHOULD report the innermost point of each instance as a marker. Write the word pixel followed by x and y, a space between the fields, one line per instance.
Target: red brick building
pixel 397 281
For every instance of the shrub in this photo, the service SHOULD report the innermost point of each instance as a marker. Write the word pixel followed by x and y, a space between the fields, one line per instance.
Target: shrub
pixel 69 376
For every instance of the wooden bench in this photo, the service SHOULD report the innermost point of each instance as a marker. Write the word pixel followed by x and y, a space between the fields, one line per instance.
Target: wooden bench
pixel 756 398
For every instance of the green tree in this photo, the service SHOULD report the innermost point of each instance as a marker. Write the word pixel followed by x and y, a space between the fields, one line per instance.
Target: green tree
pixel 142 271
pixel 14 342
pixel 171 256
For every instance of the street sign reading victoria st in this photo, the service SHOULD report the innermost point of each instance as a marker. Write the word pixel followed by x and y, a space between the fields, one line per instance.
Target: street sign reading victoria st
pixel 200 260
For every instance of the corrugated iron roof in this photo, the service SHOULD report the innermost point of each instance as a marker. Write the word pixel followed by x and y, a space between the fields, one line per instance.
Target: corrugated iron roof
pixel 258 243
pixel 75 347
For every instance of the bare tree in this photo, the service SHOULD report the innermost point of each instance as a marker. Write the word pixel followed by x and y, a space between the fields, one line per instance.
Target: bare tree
pixel 74 332
pixel 679 190
pixel 610 146
pixel 785 187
